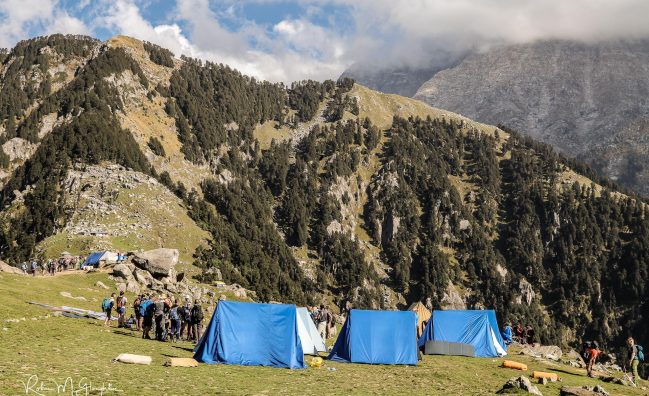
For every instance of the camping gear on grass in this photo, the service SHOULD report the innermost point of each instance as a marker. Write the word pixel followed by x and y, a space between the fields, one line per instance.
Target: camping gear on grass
pixel 448 348
pixel 252 334
pixel 377 337
pixel 478 328
pixel 316 362
pixel 311 341
pixel 132 359
pixel 542 374
pixel 181 362
pixel 514 365
pixel 423 316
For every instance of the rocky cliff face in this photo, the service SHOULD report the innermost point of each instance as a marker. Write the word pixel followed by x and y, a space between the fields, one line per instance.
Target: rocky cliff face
pixel 588 101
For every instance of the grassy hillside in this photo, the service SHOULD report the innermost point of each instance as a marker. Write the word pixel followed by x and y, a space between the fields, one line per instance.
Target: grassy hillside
pixel 55 348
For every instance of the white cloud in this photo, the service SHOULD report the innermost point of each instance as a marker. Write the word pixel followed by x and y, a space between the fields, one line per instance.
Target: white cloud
pixel 380 32
pixel 18 18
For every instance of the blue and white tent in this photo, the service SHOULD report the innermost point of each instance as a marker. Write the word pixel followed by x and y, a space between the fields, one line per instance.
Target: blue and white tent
pixel 252 334
pixel 95 259
pixel 478 328
pixel 377 337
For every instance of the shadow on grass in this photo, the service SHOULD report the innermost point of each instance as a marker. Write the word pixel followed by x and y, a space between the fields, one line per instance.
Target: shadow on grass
pixel 184 348
pixel 564 371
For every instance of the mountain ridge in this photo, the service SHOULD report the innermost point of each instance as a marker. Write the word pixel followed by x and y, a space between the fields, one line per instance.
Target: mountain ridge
pixel 329 191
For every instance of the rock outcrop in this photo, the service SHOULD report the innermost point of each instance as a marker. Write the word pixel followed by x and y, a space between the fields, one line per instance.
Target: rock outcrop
pixel 522 383
pixel 159 262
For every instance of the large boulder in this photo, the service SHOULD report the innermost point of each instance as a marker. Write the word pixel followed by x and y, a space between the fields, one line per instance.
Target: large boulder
pixel 4 267
pixel 124 271
pixel 159 262
pixel 143 277
pixel 522 383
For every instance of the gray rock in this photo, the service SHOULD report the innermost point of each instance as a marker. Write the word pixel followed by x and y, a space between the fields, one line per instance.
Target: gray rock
pixel 133 287
pixel 159 262
pixel 522 383
pixel 4 267
pixel 143 277
pixel 583 391
pixel 101 284
pixel 123 271
pixel 551 352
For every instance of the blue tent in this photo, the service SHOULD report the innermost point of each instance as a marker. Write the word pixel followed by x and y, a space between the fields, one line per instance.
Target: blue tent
pixel 252 334
pixel 377 337
pixel 477 328
pixel 93 259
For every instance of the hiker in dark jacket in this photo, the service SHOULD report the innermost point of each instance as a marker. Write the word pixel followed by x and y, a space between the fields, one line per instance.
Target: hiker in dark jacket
pixel 160 330
pixel 138 316
pixel 174 317
pixel 197 320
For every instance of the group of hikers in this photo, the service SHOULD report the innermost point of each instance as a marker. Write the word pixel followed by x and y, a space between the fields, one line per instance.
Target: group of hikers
pixel 161 314
pixel 51 266
pixel 633 356
pixel 520 334
pixel 324 321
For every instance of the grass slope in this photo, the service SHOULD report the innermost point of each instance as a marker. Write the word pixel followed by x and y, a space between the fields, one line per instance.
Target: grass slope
pixel 55 348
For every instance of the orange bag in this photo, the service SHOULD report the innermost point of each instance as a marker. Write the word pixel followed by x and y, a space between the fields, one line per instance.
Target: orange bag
pixel 514 365
pixel 543 374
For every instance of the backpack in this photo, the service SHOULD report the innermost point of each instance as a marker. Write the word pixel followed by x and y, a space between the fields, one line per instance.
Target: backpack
pixel 639 352
pixel 197 314
pixel 120 302
pixel 186 314
pixel 106 305
pixel 173 314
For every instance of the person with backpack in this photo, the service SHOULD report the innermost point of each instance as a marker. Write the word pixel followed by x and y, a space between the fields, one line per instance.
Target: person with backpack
pixel 138 316
pixel 197 320
pixel 107 307
pixel 321 321
pixel 636 355
pixel 174 317
pixel 146 310
pixel 121 309
pixel 186 320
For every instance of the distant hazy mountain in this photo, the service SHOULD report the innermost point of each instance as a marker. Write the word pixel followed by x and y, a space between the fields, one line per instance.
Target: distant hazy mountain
pixel 587 100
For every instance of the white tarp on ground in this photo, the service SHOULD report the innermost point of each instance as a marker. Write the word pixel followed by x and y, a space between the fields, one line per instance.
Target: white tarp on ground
pixel 311 341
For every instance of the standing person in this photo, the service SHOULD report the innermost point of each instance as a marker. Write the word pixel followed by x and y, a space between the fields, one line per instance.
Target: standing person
pixel 520 333
pixel 529 334
pixel 146 310
pixel 197 320
pixel 159 319
pixel 121 309
pixel 591 352
pixel 34 268
pixel 321 321
pixel 107 306
pixel 186 320
pixel 24 268
pixel 138 316
pixel 636 355
pixel 507 333
pixel 174 317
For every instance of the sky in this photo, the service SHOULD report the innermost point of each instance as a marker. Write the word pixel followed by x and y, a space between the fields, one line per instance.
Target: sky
pixel 286 41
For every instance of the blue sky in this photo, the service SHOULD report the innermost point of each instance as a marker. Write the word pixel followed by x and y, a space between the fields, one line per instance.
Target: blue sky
pixel 283 40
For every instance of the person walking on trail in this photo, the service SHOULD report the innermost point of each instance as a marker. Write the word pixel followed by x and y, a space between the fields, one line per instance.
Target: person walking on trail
pixel 33 268
pixel 321 321
pixel 107 306
pixel 635 356
pixel 24 268
pixel 138 316
pixel 160 330
pixel 197 320
pixel 121 309
pixel 174 317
